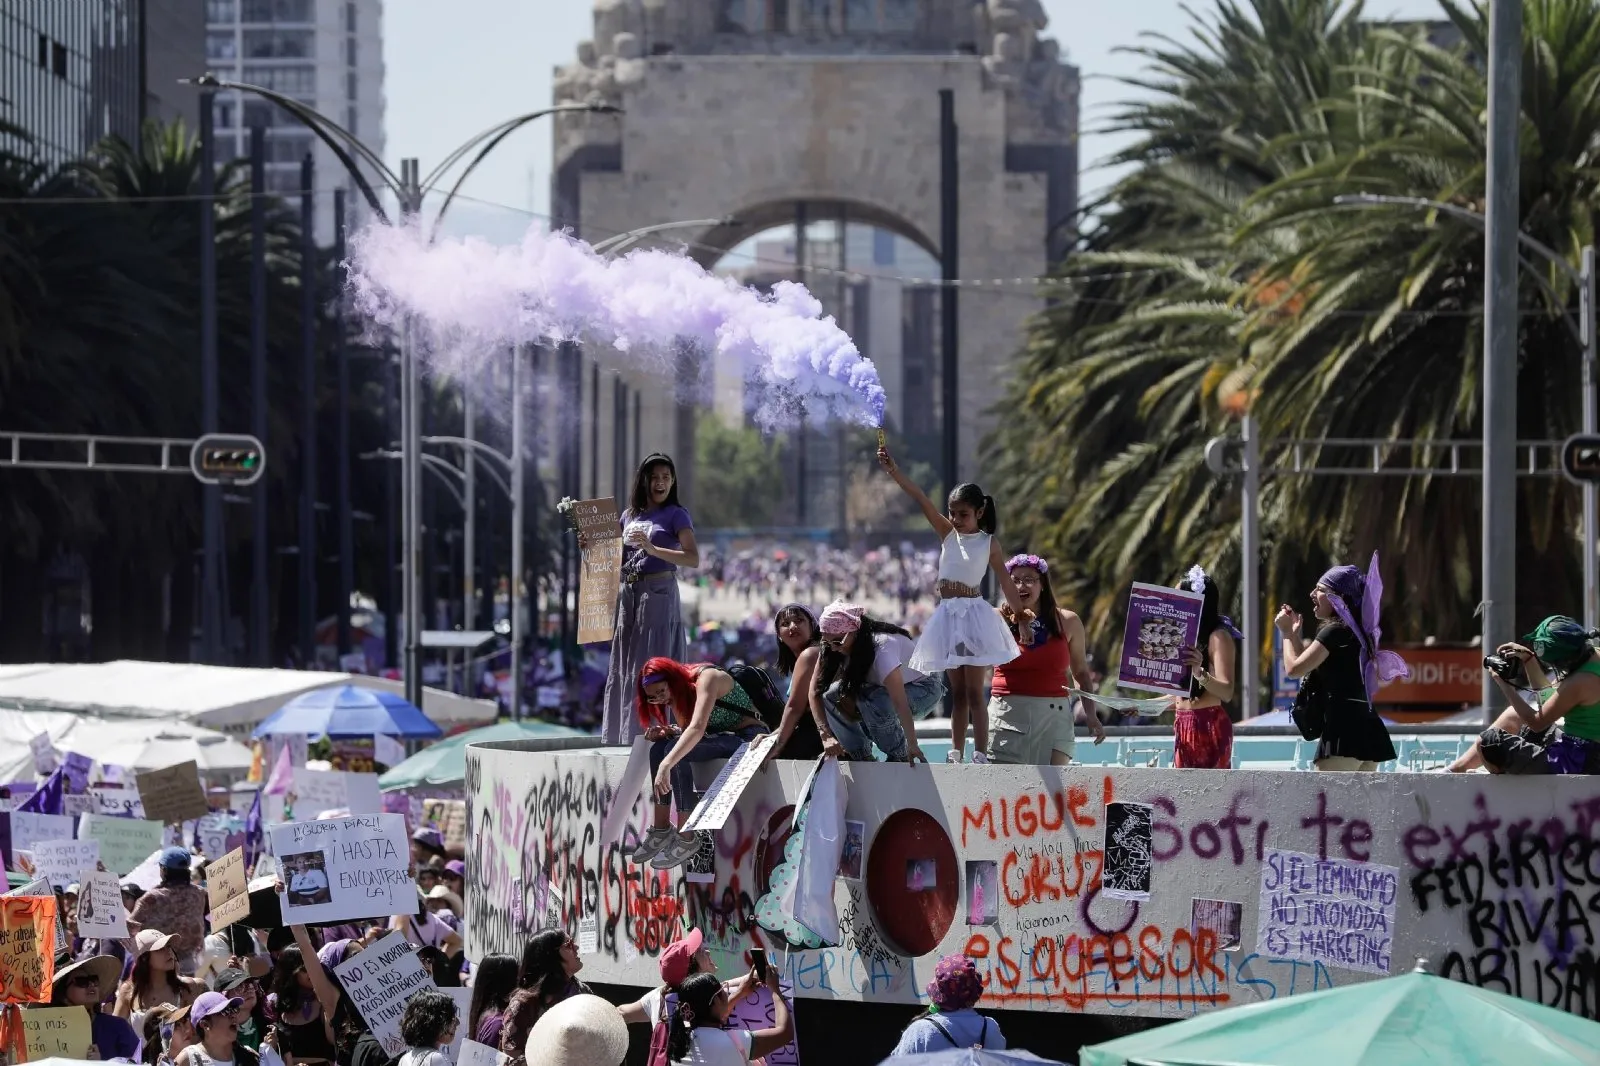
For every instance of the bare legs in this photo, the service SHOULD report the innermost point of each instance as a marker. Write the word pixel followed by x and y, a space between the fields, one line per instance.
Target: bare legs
pixel 1509 720
pixel 966 705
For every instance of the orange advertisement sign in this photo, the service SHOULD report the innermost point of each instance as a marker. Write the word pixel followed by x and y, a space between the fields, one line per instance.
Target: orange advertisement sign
pixel 27 948
pixel 1440 677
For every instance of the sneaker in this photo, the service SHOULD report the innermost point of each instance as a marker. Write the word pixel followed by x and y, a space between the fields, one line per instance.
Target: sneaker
pixel 677 852
pixel 953 756
pixel 979 757
pixel 651 845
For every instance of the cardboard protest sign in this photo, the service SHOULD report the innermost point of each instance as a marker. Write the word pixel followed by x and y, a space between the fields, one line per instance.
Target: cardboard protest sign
pixel 451 818
pixel 225 889
pixel 124 842
pixel 116 801
pixel 100 910
pixel 61 861
pixel 380 981
pixel 27 948
pixel 28 829
pixel 316 791
pixel 56 1033
pixel 40 889
pixel 601 573
pixel 44 753
pixel 173 794
pixel 714 807
pixel 339 869
pixel 1162 622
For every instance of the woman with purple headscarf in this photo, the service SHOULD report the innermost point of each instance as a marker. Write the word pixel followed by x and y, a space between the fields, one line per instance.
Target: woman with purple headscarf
pixel 1342 667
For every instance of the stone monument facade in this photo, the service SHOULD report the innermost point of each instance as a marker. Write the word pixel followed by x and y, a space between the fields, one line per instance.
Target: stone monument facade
pixel 744 108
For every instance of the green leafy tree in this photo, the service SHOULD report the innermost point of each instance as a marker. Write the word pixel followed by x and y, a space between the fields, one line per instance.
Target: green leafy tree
pixel 738 476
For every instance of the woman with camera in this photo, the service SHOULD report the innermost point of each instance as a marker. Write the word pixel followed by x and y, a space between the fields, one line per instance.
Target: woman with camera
pixel 1525 739
pixel 1341 668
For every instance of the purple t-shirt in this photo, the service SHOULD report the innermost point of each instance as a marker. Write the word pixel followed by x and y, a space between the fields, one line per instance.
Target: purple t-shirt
pixel 664 523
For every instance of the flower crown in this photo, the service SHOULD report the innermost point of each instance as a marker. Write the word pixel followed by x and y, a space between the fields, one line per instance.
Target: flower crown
pixel 1197 579
pixel 1032 562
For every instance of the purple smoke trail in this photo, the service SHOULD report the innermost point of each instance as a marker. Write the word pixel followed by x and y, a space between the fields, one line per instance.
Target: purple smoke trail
pixel 469 295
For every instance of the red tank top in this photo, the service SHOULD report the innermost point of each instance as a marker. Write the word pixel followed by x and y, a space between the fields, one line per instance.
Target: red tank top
pixel 1040 670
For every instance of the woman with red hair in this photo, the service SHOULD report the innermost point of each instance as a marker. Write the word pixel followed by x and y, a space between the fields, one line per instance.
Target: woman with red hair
pixel 689 714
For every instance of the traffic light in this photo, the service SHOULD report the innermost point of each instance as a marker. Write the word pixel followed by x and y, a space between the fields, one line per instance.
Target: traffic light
pixel 219 459
pixel 1580 458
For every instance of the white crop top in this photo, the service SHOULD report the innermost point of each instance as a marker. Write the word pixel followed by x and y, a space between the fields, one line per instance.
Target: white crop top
pixel 964 558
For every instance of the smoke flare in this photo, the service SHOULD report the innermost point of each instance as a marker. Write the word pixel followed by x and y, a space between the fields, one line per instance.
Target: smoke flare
pixel 471 296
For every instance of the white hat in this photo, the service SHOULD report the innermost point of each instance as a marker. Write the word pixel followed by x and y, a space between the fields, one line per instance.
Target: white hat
pixel 581 1031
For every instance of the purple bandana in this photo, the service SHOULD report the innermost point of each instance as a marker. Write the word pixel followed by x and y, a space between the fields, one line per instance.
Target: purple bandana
pixel 1349 588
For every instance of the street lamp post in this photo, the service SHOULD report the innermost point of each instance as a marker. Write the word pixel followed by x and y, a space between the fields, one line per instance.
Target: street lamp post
pixel 1584 330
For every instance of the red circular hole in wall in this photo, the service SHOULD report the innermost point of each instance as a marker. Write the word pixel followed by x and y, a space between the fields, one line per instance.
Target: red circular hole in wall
pixel 915 920
pixel 769 847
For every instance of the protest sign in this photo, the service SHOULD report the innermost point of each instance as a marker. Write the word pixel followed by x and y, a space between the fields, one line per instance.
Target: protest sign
pixel 115 801
pixel 173 794
pixel 379 982
pixel 338 869
pixel 75 768
pixel 388 751
pixel 451 818
pixel 473 1053
pixel 755 1012
pixel 27 947
pixel 225 889
pixel 73 806
pixel 56 1033
pixel 28 829
pixel 41 889
pixel 124 842
pixel 627 793
pixel 1334 911
pixel 219 834
pixel 100 910
pixel 316 791
pixel 44 753
pixel 599 525
pixel 714 807
pixel 1162 622
pixel 61 861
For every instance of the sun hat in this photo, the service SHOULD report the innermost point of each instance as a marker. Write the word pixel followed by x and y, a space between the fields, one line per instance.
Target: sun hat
pixel 677 956
pixel 582 1031
pixel 441 892
pixel 108 968
pixel 209 1004
pixel 956 984
pixel 174 859
pixel 150 940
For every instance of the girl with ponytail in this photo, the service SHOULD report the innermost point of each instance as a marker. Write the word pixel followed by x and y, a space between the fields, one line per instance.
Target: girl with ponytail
pixel 965 636
pixel 694 1029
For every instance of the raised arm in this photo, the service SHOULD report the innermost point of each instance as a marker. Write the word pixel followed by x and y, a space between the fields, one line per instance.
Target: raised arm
pixel 1008 589
pixel 1299 658
pixel 327 995
pixel 941 525
pixel 766 1041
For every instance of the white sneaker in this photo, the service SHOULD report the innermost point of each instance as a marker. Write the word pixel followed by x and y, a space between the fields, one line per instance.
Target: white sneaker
pixel 651 845
pixel 979 757
pixel 953 756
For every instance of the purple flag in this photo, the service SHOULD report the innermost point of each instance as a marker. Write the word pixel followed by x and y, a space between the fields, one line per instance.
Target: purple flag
pixel 252 833
pixel 48 799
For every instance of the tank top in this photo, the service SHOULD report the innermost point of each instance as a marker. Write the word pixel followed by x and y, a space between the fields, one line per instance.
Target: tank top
pixel 1040 669
pixel 964 557
pixel 730 710
pixel 1585 721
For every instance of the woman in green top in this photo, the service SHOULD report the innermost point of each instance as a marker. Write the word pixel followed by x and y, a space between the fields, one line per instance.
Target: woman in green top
pixel 710 716
pixel 1525 740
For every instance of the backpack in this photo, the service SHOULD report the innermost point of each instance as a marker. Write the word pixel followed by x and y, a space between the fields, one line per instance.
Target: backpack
pixel 757 684
pixel 658 1033
pixel 944 1031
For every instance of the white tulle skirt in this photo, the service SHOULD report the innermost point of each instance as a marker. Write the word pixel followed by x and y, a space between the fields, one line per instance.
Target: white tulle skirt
pixel 964 631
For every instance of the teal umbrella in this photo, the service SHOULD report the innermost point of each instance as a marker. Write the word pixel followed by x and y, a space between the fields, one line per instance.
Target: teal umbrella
pixel 1415 1019
pixel 445 762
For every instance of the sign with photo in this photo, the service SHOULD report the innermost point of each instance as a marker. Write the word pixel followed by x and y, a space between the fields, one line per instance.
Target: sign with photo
pixel 341 869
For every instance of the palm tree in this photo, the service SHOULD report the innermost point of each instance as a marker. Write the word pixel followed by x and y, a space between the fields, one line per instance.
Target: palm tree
pixel 1219 277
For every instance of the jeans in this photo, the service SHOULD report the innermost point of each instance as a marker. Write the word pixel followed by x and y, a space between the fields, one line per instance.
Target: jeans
pixel 711 746
pixel 879 722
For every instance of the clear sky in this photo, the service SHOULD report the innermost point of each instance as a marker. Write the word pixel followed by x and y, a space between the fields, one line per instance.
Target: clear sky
pixel 451 75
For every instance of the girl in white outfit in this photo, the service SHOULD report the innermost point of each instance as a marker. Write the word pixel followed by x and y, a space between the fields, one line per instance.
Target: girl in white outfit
pixel 965 636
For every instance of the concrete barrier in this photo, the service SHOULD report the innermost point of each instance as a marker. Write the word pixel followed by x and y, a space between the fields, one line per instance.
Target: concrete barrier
pixel 1075 889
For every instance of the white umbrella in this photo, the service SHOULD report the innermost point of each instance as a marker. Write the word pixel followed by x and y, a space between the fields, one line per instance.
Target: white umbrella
pixel 211 752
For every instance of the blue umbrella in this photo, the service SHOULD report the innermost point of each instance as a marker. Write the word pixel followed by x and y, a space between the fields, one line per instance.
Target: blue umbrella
pixel 348 711
pixel 965 1056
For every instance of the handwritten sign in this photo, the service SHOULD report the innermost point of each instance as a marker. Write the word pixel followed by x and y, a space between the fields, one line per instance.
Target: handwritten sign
pixel 173 794
pixel 316 791
pixel 1333 911
pixel 714 807
pixel 56 1032
pixel 473 1053
pixel 380 981
pixel 1161 623
pixel 463 998
pixel 44 753
pixel 100 910
pixel 28 829
pixel 116 802
pixel 451 818
pixel 338 869
pixel 226 891
pixel 27 948
pixel 600 577
pixel 62 861
pixel 124 842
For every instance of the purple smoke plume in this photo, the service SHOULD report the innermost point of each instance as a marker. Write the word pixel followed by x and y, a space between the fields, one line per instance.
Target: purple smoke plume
pixel 471 296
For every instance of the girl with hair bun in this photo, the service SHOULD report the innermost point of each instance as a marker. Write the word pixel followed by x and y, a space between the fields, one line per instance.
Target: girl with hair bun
pixel 965 636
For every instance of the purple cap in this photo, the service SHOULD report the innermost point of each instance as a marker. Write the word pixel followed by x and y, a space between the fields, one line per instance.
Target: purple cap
pixel 456 868
pixel 209 1004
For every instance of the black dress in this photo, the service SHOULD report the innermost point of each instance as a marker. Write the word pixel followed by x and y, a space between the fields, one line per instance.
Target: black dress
pixel 1351 729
